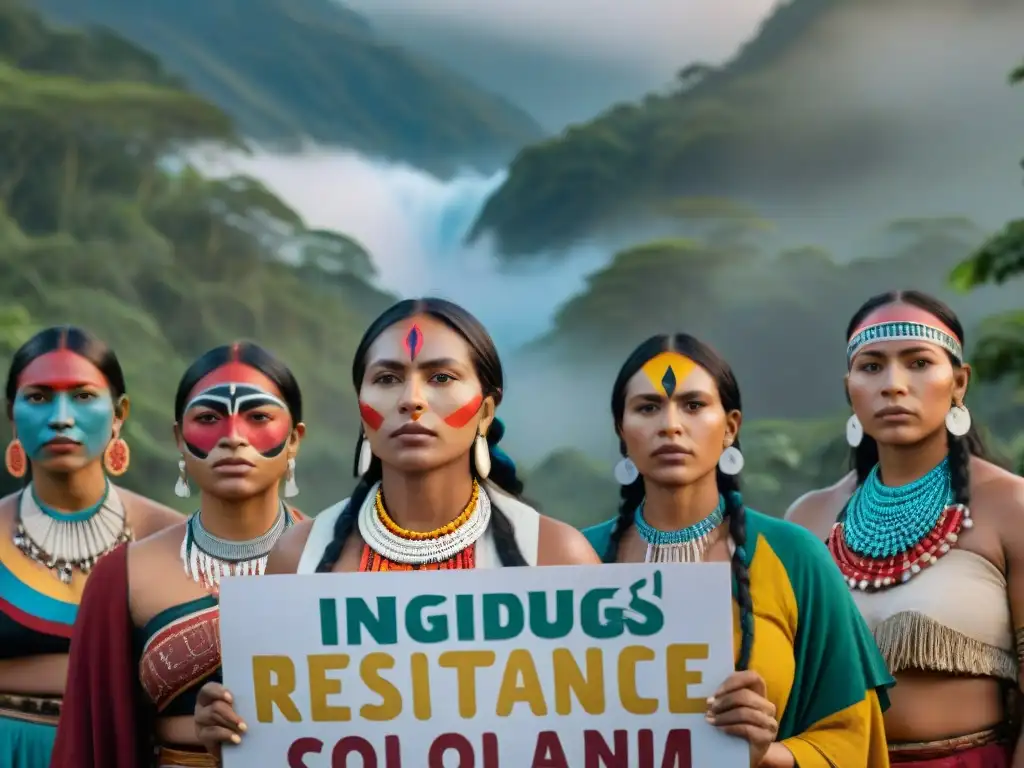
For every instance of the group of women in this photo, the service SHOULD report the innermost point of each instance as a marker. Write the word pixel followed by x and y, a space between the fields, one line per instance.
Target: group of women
pixel 911 566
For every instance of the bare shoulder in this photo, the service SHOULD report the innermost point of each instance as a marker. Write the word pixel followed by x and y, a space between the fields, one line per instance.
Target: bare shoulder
pixel 816 510
pixel 147 516
pixel 285 556
pixel 998 492
pixel 561 544
pixel 7 506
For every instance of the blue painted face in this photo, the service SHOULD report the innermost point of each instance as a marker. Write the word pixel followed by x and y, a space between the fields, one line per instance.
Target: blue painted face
pixel 63 397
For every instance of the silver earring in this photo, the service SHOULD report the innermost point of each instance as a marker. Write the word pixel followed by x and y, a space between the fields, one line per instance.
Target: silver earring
pixel 854 431
pixel 365 457
pixel 625 471
pixel 958 420
pixel 291 488
pixel 731 461
pixel 482 456
pixel 181 489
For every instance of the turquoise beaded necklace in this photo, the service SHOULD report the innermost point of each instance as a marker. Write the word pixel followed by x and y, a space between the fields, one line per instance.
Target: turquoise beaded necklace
pixel 883 521
pixel 686 545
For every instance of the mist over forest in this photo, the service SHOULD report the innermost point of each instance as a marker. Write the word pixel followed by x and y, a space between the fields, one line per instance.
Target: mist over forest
pixel 847 148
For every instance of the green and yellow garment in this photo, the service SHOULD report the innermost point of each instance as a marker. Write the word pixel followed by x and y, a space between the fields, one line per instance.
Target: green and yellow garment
pixel 822 668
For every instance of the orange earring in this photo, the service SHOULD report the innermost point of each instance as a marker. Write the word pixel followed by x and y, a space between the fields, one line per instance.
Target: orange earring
pixel 14 458
pixel 117 457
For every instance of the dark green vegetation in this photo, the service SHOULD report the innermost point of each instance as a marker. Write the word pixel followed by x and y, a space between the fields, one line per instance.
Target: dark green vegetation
pixel 826 97
pixel 161 264
pixel 164 263
pixel 289 69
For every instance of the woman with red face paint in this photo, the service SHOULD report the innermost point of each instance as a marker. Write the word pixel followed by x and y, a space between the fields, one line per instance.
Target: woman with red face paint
pixel 435 491
pixel 930 538
pixel 147 636
pixel 67 403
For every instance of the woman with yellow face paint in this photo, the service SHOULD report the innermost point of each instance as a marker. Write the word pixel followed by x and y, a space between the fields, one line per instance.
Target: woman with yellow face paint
pixel 435 491
pixel 809 685
pixel 67 403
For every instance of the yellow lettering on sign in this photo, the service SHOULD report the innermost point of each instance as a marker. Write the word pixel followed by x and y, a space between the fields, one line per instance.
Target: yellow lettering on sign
pixel 570 681
pixel 520 666
pixel 679 678
pixel 465 664
pixel 631 700
pixel 390 705
pixel 273 682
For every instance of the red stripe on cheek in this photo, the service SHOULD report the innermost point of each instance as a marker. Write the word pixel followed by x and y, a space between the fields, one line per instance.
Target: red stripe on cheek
pixel 463 416
pixel 373 419
pixel 204 435
pixel 264 436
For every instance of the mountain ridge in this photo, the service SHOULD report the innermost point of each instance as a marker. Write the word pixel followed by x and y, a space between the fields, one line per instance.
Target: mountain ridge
pixel 313 70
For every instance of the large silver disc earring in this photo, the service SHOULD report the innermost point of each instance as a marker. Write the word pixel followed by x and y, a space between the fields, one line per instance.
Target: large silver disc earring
pixel 854 431
pixel 958 420
pixel 625 471
pixel 181 489
pixel 482 456
pixel 731 461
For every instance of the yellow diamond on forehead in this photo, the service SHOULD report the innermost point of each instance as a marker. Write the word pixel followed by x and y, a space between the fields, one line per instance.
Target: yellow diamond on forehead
pixel 667 371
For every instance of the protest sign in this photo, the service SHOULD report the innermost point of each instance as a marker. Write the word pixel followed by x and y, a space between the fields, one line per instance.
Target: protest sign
pixel 560 667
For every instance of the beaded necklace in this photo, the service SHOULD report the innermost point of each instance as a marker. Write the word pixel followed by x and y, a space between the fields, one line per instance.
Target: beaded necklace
pixel 686 545
pixel 66 542
pixel 389 547
pixel 886 535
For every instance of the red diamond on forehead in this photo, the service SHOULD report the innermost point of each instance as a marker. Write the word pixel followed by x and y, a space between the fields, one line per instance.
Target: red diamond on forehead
pixel 414 341
pixel 903 313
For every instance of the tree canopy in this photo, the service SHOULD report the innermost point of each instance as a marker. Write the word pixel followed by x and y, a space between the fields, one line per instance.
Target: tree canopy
pixel 163 264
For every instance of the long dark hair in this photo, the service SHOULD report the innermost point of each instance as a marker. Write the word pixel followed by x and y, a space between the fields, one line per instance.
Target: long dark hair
pixel 74 339
pixel 864 457
pixel 488 369
pixel 728 485
pixel 247 353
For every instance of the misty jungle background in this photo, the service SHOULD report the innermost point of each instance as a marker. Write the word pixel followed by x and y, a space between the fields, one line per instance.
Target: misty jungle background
pixel 845 149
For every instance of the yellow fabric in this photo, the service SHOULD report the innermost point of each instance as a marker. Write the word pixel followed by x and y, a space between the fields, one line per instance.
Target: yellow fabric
pixel 854 737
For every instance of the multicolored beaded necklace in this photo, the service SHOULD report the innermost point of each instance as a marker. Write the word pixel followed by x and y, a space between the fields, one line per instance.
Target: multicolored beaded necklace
pixel 686 545
pixel 389 547
pixel 886 535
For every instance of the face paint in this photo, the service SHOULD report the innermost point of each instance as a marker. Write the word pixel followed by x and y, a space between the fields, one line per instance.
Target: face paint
pixel 414 342
pixel 667 371
pixel 465 414
pixel 63 395
pixel 254 414
pixel 372 418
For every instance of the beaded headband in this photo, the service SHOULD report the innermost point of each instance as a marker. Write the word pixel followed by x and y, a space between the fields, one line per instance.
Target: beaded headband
pixel 902 322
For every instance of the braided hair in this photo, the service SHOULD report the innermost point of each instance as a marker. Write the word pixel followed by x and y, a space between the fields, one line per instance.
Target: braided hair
pixel 864 457
pixel 488 368
pixel 632 495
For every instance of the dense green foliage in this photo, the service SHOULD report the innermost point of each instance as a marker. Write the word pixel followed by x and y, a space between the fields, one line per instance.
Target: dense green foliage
pixel 289 69
pixel 95 230
pixel 998 260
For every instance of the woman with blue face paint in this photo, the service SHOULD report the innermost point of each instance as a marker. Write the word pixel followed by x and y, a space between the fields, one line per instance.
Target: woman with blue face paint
pixel 67 404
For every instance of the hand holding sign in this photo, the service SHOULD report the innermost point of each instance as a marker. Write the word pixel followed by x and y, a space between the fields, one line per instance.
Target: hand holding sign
pixel 216 721
pixel 740 708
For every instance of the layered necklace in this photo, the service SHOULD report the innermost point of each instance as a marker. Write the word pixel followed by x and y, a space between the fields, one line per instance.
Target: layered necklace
pixel 68 541
pixel 389 547
pixel 686 545
pixel 887 535
pixel 207 558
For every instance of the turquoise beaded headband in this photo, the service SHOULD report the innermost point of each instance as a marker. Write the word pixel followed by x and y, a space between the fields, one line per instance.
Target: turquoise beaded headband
pixel 903 331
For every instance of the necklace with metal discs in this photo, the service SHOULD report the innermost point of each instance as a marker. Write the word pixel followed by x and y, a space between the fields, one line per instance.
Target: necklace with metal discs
pixel 889 533
pixel 66 542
